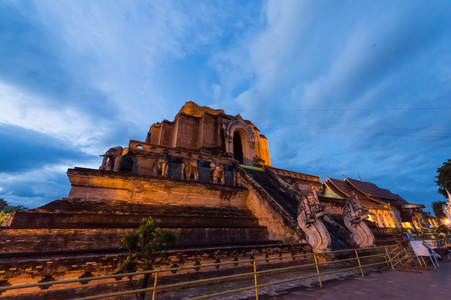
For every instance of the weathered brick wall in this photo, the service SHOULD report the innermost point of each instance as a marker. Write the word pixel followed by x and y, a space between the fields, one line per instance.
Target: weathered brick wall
pixel 187 132
pixel 50 268
pixel 166 133
pixel 45 240
pixel 93 184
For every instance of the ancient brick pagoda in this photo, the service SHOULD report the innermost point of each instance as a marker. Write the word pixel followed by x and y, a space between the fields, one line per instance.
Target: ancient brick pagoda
pixel 206 175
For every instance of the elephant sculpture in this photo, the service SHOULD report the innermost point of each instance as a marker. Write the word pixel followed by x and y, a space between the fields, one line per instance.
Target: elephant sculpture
pixel 161 166
pixel 217 172
pixel 190 167
pixel 118 159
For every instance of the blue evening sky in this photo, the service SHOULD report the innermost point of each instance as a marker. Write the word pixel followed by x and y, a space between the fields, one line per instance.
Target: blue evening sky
pixel 338 87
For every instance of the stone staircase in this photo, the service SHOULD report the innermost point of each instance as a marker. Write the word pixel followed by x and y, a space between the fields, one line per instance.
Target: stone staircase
pixel 76 224
pixel 287 201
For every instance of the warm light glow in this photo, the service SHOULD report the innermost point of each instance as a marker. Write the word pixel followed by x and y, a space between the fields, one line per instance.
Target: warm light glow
pixel 406 225
pixel 447 221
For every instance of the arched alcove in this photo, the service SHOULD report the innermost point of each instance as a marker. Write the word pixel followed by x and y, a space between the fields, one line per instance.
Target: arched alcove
pixel 241 146
pixel 239 141
pixel 237 147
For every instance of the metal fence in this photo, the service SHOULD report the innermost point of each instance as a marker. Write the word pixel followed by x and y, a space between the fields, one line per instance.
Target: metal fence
pixel 390 256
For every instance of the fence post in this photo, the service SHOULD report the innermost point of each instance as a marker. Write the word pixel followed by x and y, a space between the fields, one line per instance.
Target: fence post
pixel 389 258
pixel 360 265
pixel 386 257
pixel 317 270
pixel 255 279
pixel 154 286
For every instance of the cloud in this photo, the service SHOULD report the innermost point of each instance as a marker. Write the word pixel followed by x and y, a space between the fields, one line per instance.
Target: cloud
pixel 33 165
pixel 335 87
pixel 41 63
pixel 78 78
pixel 24 149
pixel 35 186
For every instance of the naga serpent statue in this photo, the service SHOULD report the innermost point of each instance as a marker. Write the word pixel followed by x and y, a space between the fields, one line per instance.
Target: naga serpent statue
pixel 353 215
pixel 309 217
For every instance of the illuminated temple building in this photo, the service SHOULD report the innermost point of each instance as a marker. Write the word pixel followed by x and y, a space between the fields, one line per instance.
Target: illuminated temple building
pixel 208 176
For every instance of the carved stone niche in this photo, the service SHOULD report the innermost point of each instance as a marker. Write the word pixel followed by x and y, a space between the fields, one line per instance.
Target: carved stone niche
pixel 239 140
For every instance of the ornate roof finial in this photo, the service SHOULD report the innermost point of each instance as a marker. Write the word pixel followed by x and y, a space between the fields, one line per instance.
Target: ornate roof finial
pixel 343 175
pixel 327 178
pixel 359 176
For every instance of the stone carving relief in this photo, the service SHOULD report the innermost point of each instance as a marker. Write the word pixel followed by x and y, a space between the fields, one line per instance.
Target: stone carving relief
pixel 118 159
pixel 217 173
pixel 310 213
pixel 161 166
pixel 190 167
pixel 353 215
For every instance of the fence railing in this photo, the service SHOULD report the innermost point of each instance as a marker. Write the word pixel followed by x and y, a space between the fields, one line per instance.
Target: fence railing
pixel 391 256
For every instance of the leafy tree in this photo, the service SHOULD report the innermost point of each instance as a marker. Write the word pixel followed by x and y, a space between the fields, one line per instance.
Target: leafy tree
pixel 437 207
pixel 443 229
pixel 6 210
pixel 444 178
pixel 3 203
pixel 9 209
pixel 146 248
pixel 3 217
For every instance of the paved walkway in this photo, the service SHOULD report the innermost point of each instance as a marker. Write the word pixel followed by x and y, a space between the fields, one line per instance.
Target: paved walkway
pixel 429 285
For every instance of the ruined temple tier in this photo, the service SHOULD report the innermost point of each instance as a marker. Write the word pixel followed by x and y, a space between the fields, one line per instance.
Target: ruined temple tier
pixel 211 131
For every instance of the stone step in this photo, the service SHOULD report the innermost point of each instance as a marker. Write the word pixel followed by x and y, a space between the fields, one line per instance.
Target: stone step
pixel 50 240
pixel 86 213
pixel 119 207
pixel 276 191
pixel 197 219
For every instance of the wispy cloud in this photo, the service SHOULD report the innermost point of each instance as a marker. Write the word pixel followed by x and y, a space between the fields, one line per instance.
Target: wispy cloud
pixel 336 86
